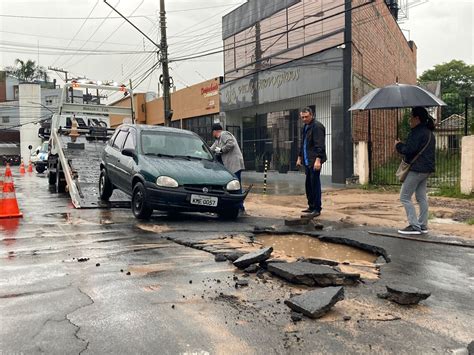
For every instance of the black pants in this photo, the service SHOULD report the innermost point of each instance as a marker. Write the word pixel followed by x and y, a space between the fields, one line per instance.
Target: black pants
pixel 313 188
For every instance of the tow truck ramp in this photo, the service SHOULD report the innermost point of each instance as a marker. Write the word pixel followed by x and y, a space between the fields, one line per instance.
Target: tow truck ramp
pixel 75 152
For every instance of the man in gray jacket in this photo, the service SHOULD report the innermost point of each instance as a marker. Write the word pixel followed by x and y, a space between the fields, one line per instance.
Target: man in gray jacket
pixel 227 147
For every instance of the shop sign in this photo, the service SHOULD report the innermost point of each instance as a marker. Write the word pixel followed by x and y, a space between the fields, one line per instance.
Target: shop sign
pixel 210 90
pixel 284 83
pixel 274 81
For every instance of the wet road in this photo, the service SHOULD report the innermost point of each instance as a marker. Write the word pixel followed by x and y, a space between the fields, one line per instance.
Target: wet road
pixel 179 300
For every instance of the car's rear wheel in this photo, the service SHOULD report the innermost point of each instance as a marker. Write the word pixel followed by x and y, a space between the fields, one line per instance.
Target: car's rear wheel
pixel 105 186
pixel 140 207
pixel 230 214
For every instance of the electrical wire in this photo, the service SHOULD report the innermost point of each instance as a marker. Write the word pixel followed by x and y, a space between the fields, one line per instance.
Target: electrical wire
pixel 93 33
pixel 111 34
pixel 77 32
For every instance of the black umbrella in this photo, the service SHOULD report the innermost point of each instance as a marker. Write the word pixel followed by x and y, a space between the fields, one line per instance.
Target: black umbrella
pixel 397 96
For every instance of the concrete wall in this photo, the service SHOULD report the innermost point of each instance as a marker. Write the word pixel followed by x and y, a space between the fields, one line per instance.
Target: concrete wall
pixel 28 113
pixel 467 165
pixel 10 88
pixel 380 51
pixel 140 110
pixel 361 162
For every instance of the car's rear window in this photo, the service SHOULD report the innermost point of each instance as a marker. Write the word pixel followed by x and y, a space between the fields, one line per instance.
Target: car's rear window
pixel 174 144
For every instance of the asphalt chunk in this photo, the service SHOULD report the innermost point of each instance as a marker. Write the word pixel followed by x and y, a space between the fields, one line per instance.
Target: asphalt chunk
pixel 404 294
pixel 312 274
pixel 254 257
pixel 220 258
pixel 316 303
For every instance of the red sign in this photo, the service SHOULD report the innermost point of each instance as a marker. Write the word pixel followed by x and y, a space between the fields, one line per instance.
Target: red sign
pixel 210 90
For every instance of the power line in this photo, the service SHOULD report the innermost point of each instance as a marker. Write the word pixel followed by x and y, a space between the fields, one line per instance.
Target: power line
pixel 63 38
pixel 111 34
pixel 77 32
pixel 93 33
pixel 107 17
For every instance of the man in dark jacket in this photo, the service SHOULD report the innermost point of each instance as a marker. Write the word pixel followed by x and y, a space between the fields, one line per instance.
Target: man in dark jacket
pixel 312 155
pixel 419 151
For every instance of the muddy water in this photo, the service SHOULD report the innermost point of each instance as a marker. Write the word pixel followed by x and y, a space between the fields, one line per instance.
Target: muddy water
pixel 300 245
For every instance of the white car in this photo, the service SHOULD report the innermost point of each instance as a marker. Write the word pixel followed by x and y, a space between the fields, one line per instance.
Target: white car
pixel 39 157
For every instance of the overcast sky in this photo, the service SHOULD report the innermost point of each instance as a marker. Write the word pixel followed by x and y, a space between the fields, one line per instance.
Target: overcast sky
pixel 442 30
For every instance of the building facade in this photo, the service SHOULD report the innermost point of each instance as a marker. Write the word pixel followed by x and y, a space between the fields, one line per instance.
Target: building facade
pixel 283 55
pixel 195 108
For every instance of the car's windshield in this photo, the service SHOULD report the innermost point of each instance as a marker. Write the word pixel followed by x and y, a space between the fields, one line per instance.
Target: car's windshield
pixel 174 144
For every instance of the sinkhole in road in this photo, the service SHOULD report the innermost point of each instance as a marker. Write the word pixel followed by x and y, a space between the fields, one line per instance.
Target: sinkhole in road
pixel 296 245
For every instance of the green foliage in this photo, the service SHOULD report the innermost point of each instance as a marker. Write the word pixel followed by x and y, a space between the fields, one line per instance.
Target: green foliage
pixel 448 170
pixel 456 77
pixel 457 83
pixel 470 221
pixel 404 127
pixel 452 191
pixel 284 158
pixel 27 71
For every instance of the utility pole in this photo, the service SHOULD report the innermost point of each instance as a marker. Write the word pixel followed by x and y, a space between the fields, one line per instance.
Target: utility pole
pixel 65 72
pixel 59 70
pixel 165 78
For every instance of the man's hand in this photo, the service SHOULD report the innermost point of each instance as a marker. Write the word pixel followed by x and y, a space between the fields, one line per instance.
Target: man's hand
pixel 217 150
pixel 317 164
pixel 298 162
pixel 396 142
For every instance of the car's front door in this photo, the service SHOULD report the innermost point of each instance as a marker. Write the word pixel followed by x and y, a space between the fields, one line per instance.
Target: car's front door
pixel 126 164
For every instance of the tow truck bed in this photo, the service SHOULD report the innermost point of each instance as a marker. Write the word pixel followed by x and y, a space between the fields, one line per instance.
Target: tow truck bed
pixel 85 168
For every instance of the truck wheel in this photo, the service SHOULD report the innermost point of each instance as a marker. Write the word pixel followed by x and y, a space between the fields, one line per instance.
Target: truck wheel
pixel 140 207
pixel 60 179
pixel 105 186
pixel 52 178
pixel 230 214
pixel 40 168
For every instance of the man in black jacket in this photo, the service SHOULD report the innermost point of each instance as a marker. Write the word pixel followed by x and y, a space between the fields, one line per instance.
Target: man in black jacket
pixel 312 155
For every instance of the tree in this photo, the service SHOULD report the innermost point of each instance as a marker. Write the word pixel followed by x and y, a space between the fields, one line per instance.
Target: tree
pixel 27 71
pixel 457 83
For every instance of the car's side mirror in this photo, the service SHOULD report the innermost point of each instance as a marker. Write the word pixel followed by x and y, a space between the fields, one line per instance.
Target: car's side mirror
pixel 129 152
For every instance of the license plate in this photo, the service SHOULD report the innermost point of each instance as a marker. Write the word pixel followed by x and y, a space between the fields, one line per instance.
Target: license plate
pixel 204 200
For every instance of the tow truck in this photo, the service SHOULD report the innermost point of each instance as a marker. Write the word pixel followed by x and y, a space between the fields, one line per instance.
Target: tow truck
pixel 78 135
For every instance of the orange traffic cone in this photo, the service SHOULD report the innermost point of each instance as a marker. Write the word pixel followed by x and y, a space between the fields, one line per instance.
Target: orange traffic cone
pixel 30 167
pixel 22 168
pixel 8 203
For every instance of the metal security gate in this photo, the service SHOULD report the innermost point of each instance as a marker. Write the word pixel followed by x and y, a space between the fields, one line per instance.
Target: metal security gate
pixel 380 128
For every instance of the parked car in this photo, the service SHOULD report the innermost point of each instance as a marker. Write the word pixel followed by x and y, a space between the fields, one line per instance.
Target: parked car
pixel 167 169
pixel 40 157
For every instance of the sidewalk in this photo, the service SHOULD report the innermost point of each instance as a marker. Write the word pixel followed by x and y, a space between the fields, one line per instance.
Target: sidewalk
pixel 354 206
pixel 291 183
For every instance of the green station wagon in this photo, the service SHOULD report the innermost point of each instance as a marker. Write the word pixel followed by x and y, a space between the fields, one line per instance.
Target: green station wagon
pixel 167 169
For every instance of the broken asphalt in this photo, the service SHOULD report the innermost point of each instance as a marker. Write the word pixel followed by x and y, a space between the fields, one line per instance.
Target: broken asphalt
pixel 143 290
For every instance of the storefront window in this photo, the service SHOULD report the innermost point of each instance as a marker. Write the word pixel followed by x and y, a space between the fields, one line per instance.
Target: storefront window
pixel 273 137
pixel 201 126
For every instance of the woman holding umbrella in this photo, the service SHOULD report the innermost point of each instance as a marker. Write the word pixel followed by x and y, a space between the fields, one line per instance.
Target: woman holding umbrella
pixel 419 152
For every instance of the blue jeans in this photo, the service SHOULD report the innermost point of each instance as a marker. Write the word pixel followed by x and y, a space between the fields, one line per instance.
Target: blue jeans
pixel 239 177
pixel 313 188
pixel 415 183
